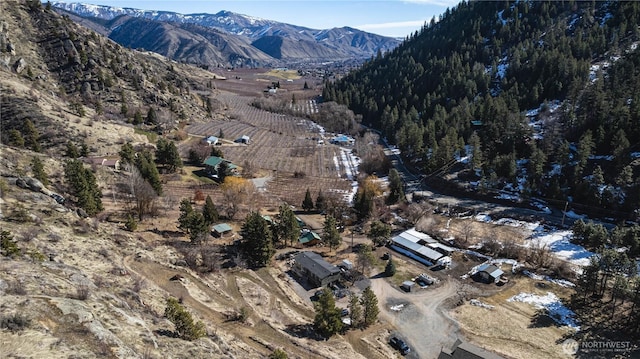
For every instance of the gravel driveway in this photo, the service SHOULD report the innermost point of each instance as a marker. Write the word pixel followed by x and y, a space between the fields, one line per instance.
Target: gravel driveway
pixel 421 321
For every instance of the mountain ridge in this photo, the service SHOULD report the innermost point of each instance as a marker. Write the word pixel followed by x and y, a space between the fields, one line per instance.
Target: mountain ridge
pixel 297 43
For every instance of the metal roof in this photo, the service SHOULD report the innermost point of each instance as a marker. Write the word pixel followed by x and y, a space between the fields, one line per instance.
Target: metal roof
pixel 490 269
pixel 415 236
pixel 308 237
pixel 221 228
pixel 314 263
pixel 215 161
pixel 417 248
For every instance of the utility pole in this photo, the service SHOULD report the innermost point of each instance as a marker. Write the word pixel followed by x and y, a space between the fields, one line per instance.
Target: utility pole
pixel 564 213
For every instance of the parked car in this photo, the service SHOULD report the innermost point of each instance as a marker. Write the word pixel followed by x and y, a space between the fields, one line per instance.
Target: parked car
pixel 344 312
pixel 400 345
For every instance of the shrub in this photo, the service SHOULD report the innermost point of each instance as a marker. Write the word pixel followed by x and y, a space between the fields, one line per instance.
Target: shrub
pixel 186 328
pixel 8 247
pixel 15 322
pixel 131 224
pixel 82 292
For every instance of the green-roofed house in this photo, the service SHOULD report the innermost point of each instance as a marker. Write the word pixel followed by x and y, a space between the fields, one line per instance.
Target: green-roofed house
pixel 221 229
pixel 309 238
pixel 212 163
pixel 267 218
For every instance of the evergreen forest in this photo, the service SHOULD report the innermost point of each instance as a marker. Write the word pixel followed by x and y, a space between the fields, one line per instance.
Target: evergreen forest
pixel 540 98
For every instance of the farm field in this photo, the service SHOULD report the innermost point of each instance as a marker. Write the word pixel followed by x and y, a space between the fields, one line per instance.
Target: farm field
pixel 280 145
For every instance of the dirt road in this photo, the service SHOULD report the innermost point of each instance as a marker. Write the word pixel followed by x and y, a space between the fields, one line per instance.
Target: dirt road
pixel 421 320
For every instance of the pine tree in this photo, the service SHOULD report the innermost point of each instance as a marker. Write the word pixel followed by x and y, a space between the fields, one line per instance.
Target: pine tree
pixel 257 242
pixel 288 227
pixel 198 228
pixel 186 209
pixel 152 117
pixel 149 171
pixel 72 150
pixel 167 154
pixel 320 202
pixel 390 268
pixel 209 211
pixel 186 328
pixel 396 192
pixel 31 136
pixel 355 311
pixel 369 303
pixel 126 153
pixel 379 233
pixel 15 138
pixel 307 204
pixel 327 321
pixel 83 186
pixel 330 235
pixel 37 168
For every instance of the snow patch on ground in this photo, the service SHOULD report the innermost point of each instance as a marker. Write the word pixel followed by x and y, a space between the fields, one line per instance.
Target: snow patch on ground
pixel 558 242
pixel 560 282
pixel 554 307
pixel 478 303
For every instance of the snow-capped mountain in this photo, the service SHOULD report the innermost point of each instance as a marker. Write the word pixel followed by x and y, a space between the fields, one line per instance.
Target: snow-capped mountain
pixel 283 42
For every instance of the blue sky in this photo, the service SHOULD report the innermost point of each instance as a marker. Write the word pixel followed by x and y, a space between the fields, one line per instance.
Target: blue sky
pixel 397 18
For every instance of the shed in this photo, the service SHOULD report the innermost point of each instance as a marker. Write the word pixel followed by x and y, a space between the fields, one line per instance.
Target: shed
pixel 346 264
pixel 309 238
pixel 243 139
pixel 211 140
pixel 407 285
pixel 310 266
pixel 222 229
pixel 104 161
pixel 489 273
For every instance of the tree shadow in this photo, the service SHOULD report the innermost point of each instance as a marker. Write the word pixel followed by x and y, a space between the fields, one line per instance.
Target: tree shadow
pixel 303 331
pixel 166 333
pixel 302 281
pixel 541 319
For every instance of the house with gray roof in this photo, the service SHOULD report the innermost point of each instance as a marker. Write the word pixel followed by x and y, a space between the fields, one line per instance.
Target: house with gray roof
pixel 464 350
pixel 313 268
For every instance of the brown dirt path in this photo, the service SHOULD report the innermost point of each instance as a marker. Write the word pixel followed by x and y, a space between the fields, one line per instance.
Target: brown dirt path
pixel 422 321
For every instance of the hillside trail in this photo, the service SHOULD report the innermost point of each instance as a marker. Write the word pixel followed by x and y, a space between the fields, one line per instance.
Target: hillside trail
pixel 213 305
pixel 423 320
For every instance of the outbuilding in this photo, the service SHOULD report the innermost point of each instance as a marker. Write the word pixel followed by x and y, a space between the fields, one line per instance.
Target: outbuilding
pixel 407 285
pixel 489 273
pixel 221 230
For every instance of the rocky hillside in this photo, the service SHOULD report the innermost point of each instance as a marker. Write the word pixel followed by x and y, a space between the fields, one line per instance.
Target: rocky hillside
pixel 63 71
pixel 250 38
pixel 74 286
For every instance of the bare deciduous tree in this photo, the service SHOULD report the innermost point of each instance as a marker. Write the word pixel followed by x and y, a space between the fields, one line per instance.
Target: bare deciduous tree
pixel 142 192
